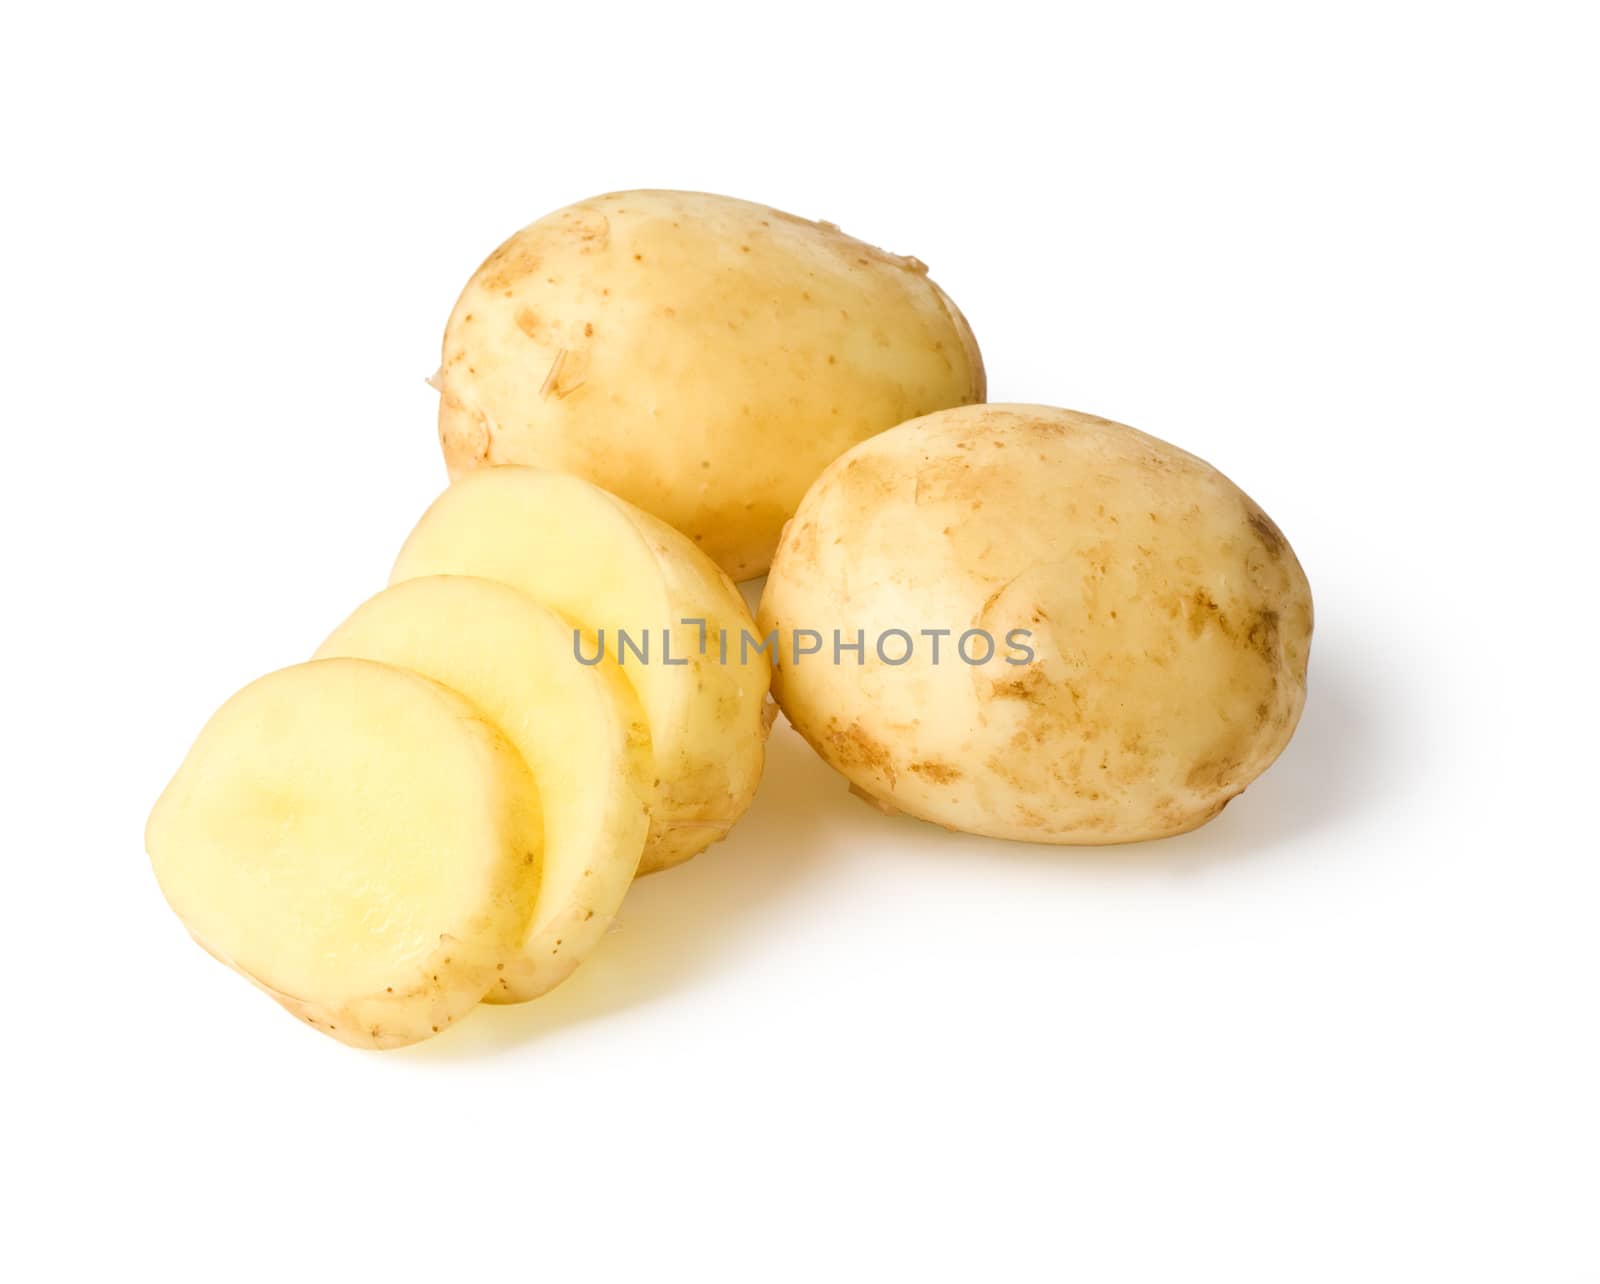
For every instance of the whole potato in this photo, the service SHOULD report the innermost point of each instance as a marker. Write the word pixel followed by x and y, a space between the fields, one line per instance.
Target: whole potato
pixel 702 357
pixel 1150 627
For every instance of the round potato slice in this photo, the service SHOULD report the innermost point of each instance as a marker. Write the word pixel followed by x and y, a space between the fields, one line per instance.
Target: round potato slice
pixel 358 841
pixel 1062 630
pixel 578 727
pixel 675 624
pixel 703 357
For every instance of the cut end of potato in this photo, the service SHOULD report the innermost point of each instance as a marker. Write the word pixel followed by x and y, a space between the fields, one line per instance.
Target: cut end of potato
pixel 612 570
pixel 578 727
pixel 358 841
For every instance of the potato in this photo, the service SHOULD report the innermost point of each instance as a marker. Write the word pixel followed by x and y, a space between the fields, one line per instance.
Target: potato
pixel 702 357
pixel 579 728
pixel 1166 627
pixel 358 841
pixel 607 566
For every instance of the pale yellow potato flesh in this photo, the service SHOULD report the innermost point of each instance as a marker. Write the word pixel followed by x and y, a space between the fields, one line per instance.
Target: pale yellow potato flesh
pixel 702 357
pixel 579 728
pixel 359 841
pixel 606 566
pixel 1170 624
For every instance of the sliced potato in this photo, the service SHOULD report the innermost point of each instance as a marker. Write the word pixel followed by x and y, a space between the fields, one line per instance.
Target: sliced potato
pixel 608 566
pixel 358 841
pixel 579 728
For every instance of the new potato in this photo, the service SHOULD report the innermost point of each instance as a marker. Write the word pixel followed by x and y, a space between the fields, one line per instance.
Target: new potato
pixel 608 568
pixel 1168 619
pixel 702 357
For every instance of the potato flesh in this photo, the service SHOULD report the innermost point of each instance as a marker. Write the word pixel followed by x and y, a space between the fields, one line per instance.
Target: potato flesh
pixel 702 357
pixel 1170 620
pixel 579 729
pixel 359 842
pixel 605 565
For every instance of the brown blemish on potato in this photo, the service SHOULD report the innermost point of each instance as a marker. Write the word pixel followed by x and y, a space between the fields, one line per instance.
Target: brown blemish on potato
pixel 508 264
pixel 1210 774
pixel 528 322
pixel 464 434
pixel 1202 611
pixel 802 541
pixel 941 773
pixel 1026 686
pixel 1028 818
pixel 591 229
pixel 854 746
pixel 1263 635
pixel 1266 531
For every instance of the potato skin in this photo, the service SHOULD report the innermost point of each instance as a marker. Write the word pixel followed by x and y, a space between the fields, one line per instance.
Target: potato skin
pixel 702 357
pixel 724 723
pixel 1170 626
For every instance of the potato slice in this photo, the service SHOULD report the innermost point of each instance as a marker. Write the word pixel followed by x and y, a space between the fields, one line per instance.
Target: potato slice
pixel 579 728
pixel 358 841
pixel 606 566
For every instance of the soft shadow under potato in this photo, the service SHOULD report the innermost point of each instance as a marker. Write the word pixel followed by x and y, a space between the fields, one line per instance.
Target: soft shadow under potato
pixel 675 927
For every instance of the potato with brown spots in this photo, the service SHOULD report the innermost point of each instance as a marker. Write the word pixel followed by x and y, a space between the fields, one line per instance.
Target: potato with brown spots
pixel 702 357
pixel 1070 632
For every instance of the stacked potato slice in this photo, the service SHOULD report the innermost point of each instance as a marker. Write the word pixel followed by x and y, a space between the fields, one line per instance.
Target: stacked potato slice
pixel 448 803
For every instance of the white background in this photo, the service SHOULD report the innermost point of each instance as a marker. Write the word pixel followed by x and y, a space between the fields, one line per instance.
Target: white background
pixel 1346 1032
